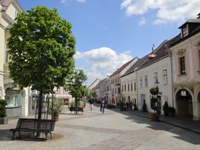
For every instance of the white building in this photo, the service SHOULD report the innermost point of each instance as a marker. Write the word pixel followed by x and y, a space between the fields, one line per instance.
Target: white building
pixel 157 67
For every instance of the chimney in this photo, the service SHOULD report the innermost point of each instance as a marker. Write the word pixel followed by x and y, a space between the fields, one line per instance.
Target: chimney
pixel 153 48
pixel 198 16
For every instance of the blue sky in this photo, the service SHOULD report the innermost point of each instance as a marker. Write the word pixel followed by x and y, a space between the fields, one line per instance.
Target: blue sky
pixel 111 32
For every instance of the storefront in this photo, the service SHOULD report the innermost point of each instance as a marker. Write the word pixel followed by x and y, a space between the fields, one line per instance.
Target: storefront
pixel 14 103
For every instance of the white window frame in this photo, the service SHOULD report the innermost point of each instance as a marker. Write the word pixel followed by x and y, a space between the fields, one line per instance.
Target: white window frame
pixel 165 81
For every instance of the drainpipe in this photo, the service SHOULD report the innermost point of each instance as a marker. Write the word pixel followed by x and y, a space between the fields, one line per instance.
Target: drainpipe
pixel 137 88
pixel 172 79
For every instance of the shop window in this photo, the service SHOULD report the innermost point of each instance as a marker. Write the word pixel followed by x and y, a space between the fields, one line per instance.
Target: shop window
pixel 13 98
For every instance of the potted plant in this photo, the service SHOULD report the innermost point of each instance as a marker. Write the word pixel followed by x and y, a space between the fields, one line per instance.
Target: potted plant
pixel 3 114
pixel 154 107
pixel 165 108
pixel 56 109
pixel 72 104
pixel 154 90
pixel 144 107
pixel 171 111
pixel 122 104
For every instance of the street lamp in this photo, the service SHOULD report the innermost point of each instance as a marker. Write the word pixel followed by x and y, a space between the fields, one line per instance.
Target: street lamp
pixel 158 100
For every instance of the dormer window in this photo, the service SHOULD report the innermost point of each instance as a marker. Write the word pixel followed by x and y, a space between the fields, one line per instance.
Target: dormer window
pixel 184 32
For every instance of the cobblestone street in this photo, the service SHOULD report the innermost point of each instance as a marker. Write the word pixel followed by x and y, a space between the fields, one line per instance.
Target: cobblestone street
pixel 113 130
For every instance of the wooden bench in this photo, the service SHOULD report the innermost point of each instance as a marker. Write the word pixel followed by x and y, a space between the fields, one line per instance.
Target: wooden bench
pixel 34 125
pixel 76 109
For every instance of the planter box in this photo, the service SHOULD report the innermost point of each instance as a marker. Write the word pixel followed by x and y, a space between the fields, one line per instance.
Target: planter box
pixel 153 117
pixel 3 120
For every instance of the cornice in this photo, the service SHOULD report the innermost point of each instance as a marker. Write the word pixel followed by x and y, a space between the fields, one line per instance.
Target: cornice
pixel 1 73
pixel 1 26
pixel 17 6
pixel 7 18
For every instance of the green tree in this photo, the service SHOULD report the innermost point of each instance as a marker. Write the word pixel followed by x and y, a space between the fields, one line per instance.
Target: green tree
pixel 76 87
pixel 41 48
pixel 89 94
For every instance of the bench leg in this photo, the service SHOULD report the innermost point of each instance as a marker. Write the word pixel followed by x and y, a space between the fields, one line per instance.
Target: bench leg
pixel 46 135
pixel 19 135
pixel 50 135
pixel 13 138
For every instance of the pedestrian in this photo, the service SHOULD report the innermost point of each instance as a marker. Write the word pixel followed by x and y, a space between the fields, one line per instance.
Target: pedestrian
pixel 91 104
pixel 102 106
pixel 127 105
pixel 131 105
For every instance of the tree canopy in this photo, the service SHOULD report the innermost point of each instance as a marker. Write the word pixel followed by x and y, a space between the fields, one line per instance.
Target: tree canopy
pixel 76 87
pixel 41 48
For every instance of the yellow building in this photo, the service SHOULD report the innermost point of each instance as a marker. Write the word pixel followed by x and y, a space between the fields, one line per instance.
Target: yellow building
pixel 17 100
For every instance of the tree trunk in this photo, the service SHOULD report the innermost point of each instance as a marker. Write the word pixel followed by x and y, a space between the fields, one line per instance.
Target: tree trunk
pixel 40 105
pixel 76 105
pixel 39 111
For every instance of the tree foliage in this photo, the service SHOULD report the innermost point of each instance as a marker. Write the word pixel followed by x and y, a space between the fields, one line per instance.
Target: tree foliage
pixel 41 49
pixel 76 87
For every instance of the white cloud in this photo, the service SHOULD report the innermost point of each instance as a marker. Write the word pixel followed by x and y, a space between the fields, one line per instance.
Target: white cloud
pixel 66 1
pixel 102 61
pixel 82 1
pixel 78 55
pixel 142 21
pixel 166 11
pixel 63 1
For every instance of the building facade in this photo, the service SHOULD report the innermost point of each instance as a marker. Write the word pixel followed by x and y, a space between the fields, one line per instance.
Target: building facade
pixel 185 49
pixel 118 88
pixel 156 68
pixel 17 100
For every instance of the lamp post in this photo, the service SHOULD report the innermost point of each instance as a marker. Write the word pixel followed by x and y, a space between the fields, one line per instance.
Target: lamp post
pixel 158 100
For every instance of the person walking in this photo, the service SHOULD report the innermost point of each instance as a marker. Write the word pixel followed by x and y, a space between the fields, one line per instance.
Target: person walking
pixel 91 104
pixel 102 106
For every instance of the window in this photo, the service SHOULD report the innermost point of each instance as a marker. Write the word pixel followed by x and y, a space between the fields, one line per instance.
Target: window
pixel 0 92
pixel 122 88
pixel 7 55
pixel 125 87
pixel 182 65
pixel 13 98
pixel 135 86
pixel 165 81
pixel 155 76
pixel 199 59
pixel 184 32
pixel 141 81
pixel 119 91
pixel 146 81
pixel 131 86
pixel 128 87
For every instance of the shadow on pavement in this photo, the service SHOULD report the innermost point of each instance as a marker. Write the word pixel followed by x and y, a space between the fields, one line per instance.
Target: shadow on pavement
pixel 175 125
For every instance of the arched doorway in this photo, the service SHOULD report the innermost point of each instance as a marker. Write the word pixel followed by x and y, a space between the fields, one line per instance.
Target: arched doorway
pixel 184 103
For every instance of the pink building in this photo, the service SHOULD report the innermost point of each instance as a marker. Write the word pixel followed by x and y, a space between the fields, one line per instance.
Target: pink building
pixel 185 52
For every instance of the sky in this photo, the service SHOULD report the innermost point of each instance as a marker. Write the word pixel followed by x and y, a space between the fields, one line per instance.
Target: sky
pixel 109 33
